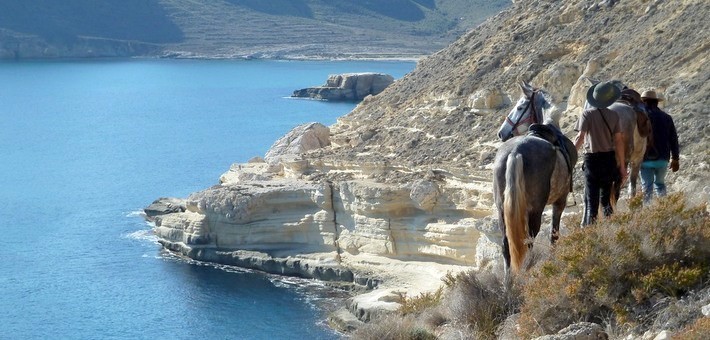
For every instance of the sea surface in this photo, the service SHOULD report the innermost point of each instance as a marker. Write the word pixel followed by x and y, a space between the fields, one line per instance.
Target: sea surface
pixel 85 145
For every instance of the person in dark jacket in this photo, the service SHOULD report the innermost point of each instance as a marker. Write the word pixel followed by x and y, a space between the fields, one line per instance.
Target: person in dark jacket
pixel 662 148
pixel 599 132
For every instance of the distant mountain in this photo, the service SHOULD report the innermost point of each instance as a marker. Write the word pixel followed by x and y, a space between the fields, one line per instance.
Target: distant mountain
pixel 235 28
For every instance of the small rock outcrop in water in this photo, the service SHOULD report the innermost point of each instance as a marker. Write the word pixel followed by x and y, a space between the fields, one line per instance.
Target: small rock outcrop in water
pixel 163 206
pixel 347 87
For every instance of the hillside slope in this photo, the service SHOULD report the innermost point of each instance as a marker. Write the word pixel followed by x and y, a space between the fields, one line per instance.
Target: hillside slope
pixel 236 28
pixel 447 111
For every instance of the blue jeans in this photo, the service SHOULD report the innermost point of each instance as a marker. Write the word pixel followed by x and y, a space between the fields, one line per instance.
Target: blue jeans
pixel 653 173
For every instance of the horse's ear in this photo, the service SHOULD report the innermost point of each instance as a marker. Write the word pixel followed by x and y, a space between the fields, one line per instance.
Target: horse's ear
pixel 526 88
pixel 592 81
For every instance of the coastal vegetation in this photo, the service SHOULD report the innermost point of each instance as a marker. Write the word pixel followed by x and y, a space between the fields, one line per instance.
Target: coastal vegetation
pixel 646 269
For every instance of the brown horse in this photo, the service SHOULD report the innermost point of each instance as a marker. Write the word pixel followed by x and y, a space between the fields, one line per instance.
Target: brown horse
pixel 636 127
pixel 530 172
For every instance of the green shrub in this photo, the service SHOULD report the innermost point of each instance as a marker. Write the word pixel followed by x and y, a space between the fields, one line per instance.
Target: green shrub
pixel 618 266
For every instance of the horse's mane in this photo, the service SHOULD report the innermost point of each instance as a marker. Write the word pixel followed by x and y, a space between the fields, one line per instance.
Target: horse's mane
pixel 550 114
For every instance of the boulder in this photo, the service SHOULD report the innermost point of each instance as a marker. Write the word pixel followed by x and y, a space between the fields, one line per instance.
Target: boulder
pixel 347 87
pixel 344 321
pixel 303 138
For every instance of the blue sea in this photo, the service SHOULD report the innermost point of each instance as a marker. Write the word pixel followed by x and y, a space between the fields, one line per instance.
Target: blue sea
pixel 85 145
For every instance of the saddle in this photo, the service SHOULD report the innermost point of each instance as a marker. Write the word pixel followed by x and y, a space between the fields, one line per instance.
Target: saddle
pixel 556 138
pixel 643 123
pixel 545 132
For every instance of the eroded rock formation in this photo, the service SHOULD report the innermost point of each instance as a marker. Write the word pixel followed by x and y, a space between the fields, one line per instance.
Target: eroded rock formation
pixel 286 209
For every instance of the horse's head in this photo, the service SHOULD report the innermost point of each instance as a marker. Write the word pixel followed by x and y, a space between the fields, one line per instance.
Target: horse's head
pixel 529 109
pixel 633 98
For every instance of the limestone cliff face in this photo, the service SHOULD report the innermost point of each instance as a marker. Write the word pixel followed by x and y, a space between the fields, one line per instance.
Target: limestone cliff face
pixel 284 209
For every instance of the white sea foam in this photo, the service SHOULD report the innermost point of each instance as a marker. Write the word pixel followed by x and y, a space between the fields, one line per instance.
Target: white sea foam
pixel 142 235
pixel 136 213
pixel 305 98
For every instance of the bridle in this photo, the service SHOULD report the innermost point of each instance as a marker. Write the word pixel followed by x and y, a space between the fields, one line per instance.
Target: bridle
pixel 533 111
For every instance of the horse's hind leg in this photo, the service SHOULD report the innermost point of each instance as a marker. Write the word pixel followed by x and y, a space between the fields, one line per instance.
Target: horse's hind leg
pixel 557 208
pixel 534 222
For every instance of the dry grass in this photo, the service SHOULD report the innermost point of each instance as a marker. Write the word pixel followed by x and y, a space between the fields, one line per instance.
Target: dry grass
pixel 419 303
pixel 481 302
pixel 699 330
pixel 394 327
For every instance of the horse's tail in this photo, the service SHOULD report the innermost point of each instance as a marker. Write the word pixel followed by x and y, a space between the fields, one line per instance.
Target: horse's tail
pixel 515 210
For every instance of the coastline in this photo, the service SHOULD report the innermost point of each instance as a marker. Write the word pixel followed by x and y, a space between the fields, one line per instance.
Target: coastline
pixel 384 58
pixel 367 285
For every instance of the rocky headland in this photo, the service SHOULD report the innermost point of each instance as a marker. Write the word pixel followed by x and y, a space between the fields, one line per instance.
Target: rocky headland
pixel 397 193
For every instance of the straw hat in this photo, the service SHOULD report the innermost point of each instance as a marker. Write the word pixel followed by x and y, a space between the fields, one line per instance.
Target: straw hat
pixel 601 95
pixel 650 94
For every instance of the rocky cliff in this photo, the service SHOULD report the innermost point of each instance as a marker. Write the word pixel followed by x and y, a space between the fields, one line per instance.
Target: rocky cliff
pixel 399 193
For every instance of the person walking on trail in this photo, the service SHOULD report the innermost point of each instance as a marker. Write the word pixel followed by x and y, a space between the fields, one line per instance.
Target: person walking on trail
pixel 662 147
pixel 600 133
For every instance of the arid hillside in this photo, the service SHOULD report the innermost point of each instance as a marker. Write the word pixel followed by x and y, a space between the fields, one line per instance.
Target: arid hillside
pixel 445 114
pixel 317 28
pixel 236 28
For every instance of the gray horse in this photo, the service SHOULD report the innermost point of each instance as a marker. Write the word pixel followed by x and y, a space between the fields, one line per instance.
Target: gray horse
pixel 531 171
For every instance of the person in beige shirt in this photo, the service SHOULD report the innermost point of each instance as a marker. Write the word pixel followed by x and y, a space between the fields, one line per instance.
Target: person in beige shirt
pixel 600 134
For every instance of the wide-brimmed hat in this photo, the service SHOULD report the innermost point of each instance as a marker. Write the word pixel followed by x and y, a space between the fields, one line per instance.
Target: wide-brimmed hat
pixel 630 93
pixel 650 94
pixel 603 94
